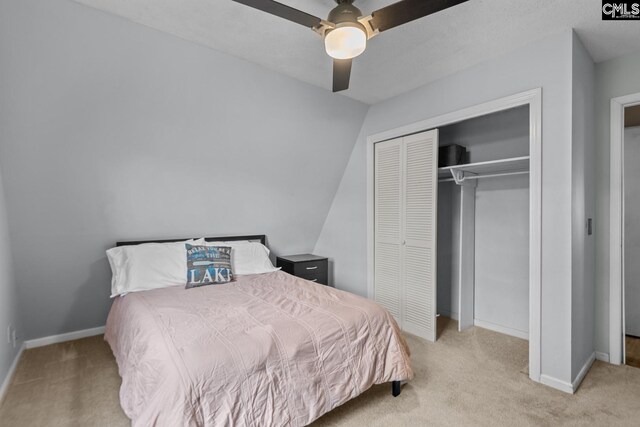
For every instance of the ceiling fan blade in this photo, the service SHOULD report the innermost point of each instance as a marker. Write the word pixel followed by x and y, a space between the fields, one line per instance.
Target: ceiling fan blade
pixel 408 10
pixel 341 74
pixel 283 11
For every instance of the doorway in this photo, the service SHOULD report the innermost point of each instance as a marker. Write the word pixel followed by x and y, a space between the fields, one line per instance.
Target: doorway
pixel 631 186
pixel 624 245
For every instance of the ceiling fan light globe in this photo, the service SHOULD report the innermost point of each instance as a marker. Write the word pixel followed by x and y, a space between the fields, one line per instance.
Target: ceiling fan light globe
pixel 345 42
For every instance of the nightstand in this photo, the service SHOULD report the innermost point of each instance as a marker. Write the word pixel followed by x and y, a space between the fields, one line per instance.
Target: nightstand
pixel 306 266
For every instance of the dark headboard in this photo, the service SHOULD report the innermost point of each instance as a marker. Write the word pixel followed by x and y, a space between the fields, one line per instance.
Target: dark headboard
pixel 258 237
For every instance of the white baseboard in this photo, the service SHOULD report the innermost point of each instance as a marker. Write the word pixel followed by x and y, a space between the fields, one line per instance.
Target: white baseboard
pixel 70 336
pixel 583 372
pixel 556 383
pixel 604 357
pixel 502 329
pixel 565 386
pixel 12 370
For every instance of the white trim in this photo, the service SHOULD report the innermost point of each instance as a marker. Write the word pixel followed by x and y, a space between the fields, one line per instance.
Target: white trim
pixel 502 329
pixel 70 336
pixel 583 372
pixel 570 387
pixel 534 99
pixel 616 229
pixel 10 373
pixel 556 383
pixel 603 357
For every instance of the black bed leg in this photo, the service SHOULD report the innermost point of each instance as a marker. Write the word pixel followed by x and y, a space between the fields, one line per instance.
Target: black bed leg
pixel 395 388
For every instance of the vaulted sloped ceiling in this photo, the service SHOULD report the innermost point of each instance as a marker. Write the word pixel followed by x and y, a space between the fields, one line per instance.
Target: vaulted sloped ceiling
pixel 398 60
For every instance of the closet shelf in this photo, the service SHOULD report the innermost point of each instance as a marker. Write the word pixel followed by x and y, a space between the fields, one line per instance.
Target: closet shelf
pixel 512 166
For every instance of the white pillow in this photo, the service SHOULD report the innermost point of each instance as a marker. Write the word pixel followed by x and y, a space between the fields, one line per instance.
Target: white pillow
pixel 148 266
pixel 248 257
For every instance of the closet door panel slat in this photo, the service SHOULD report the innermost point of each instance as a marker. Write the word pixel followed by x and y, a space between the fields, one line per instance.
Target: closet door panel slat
pixel 388 227
pixel 419 233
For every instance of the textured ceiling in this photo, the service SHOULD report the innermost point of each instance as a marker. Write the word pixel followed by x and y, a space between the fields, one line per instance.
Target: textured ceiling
pixel 396 61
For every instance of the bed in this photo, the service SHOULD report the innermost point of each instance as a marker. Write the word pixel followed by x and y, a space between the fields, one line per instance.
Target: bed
pixel 265 350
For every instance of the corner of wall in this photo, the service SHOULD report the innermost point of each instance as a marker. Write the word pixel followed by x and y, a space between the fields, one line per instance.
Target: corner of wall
pixel 326 243
pixel 9 310
pixel 342 178
pixel 583 208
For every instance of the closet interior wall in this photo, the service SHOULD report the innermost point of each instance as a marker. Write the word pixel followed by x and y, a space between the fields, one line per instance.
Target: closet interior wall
pixel 501 296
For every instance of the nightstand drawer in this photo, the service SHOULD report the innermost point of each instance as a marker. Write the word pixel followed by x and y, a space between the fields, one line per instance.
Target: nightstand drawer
pixel 309 267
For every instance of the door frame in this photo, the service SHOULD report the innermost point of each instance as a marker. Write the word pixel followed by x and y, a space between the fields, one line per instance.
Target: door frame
pixel 616 227
pixel 533 98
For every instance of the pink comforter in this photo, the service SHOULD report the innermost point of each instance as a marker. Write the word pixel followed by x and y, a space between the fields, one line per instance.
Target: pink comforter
pixel 266 350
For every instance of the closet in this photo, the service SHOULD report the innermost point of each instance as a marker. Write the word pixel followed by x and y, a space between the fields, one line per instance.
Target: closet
pixel 483 224
pixel 454 239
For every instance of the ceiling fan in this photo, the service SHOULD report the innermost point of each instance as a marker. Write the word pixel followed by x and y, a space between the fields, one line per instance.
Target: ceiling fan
pixel 346 30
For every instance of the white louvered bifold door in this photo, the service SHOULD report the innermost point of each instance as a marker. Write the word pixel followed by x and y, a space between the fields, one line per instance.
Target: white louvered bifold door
pixel 388 227
pixel 419 208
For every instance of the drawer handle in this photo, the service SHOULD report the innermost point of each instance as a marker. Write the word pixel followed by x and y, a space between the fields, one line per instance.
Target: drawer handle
pixel 312 268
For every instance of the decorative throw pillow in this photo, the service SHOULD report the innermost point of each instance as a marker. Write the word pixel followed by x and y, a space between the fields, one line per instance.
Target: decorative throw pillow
pixel 208 265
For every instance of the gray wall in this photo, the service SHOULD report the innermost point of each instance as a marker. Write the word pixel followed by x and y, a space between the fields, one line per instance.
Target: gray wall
pixel 501 223
pixel 545 64
pixel 632 230
pixel 9 311
pixel 502 252
pixel 111 130
pixel 583 207
pixel 614 78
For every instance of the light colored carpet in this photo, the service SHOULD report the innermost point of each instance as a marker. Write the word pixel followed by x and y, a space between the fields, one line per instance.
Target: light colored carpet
pixel 470 378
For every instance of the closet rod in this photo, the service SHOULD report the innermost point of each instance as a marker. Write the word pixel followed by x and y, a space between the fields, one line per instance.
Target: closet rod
pixel 493 175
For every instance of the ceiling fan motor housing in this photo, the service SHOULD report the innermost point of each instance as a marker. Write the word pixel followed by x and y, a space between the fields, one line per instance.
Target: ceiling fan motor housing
pixel 344 12
pixel 347 38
